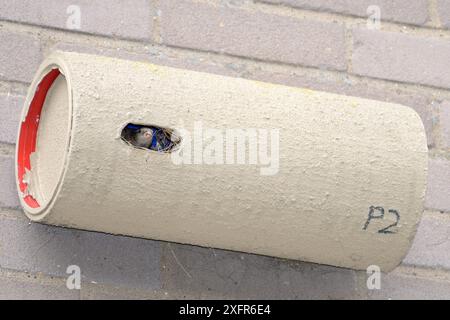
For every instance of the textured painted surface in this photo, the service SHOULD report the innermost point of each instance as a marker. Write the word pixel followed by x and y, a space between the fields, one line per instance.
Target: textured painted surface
pixel 314 209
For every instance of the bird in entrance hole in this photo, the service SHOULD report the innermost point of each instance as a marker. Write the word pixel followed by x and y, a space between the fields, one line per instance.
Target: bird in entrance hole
pixel 157 139
pixel 143 137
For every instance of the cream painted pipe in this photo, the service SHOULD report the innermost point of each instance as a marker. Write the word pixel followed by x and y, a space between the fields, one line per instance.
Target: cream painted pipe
pixel 348 190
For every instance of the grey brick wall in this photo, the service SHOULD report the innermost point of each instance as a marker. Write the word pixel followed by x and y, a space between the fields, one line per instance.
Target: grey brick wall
pixel 125 19
pixel 10 108
pixel 323 45
pixel 21 55
pixel 405 11
pixel 400 57
pixel 252 34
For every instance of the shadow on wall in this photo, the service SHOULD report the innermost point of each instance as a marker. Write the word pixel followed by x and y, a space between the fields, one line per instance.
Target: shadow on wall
pixel 208 272
pixel 153 265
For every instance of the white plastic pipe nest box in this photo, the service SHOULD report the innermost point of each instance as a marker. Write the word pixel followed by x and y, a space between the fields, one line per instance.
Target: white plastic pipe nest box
pixel 348 190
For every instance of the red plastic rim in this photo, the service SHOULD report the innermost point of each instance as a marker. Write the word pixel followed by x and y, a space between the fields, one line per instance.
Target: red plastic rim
pixel 28 133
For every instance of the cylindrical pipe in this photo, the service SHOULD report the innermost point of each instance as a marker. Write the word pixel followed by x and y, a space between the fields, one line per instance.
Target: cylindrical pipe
pixel 320 177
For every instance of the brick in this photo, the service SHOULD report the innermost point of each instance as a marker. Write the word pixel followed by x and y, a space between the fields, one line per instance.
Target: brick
pixel 401 57
pixel 406 287
pixel 29 287
pixel 444 123
pixel 91 291
pixel 406 11
pixel 431 244
pixel 8 193
pixel 443 9
pixel 10 108
pixel 253 34
pixel 211 272
pixel 438 188
pixel 102 258
pixel 126 18
pixel 20 56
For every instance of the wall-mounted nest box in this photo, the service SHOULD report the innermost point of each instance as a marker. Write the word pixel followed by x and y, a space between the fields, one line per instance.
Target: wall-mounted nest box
pixel 96 151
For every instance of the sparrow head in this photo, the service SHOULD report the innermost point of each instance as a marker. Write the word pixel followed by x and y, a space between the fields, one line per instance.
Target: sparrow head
pixel 146 132
pixel 144 137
